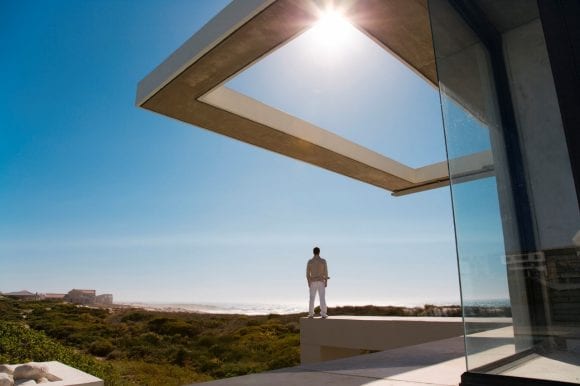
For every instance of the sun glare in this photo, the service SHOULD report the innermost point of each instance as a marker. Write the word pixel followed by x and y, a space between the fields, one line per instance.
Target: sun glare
pixel 332 29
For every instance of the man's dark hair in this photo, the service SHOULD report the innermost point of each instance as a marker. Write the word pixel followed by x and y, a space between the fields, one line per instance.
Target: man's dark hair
pixel 316 251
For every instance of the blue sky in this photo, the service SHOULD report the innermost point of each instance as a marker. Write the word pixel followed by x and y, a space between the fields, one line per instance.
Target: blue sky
pixel 97 193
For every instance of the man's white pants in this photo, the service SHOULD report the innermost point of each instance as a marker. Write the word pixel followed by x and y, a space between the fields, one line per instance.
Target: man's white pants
pixel 317 286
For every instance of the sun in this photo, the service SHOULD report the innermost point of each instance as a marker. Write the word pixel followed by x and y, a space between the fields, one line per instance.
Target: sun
pixel 332 30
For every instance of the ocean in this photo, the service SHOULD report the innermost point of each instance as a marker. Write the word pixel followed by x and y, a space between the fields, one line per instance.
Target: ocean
pixel 283 308
pixel 223 308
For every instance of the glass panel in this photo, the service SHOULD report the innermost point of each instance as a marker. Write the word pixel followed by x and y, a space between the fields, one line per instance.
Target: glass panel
pixel 470 116
pixel 517 216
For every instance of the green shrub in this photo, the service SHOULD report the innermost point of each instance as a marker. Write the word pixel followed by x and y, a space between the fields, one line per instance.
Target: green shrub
pixel 167 326
pixel 136 316
pixel 101 348
pixel 151 338
pixel 151 374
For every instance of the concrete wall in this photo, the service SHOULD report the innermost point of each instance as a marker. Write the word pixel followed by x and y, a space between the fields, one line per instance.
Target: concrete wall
pixel 550 179
pixel 344 336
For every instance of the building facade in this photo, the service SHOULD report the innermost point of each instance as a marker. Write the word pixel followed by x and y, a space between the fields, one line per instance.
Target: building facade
pixel 104 299
pixel 513 67
pixel 54 296
pixel 81 296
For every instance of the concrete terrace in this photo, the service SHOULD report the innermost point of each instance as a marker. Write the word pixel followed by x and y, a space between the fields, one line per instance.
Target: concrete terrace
pixel 440 362
pixel 347 336
pixel 435 363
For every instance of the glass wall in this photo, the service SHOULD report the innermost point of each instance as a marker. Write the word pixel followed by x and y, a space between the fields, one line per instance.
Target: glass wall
pixel 514 200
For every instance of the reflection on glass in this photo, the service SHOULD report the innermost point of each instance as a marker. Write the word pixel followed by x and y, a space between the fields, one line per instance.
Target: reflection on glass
pixel 520 276
pixel 480 243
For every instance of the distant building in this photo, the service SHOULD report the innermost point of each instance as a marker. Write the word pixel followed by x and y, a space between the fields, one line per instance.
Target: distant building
pixel 23 295
pixel 104 299
pixel 81 296
pixel 55 296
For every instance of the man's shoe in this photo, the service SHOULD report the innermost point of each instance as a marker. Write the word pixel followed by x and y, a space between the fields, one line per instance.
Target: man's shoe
pixel 324 316
pixel 310 316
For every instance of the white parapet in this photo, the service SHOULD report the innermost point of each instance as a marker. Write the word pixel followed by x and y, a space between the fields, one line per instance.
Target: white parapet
pixel 57 374
pixel 344 336
pixel 71 376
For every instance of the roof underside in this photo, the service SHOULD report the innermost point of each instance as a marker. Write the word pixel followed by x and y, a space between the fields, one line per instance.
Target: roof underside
pixel 188 85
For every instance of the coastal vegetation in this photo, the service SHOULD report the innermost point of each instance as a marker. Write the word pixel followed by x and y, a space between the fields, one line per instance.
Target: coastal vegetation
pixel 19 344
pixel 136 347
pixel 130 346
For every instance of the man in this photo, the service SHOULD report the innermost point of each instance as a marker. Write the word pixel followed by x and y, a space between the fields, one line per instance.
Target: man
pixel 317 276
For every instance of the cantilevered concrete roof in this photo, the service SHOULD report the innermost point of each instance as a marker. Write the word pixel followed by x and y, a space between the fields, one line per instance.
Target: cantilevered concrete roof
pixel 188 86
